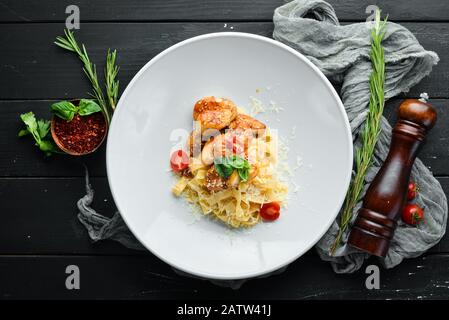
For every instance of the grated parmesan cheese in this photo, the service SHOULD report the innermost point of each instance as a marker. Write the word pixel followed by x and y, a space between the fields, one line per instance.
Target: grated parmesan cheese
pixel 274 107
pixel 295 187
pixel 299 163
pixel 256 106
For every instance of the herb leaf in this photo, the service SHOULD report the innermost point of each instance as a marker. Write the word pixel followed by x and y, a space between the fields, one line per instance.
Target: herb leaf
pixel 64 109
pixel 30 120
pixel 224 170
pixel 243 174
pixel 370 134
pixel 67 110
pixel 23 132
pixel 39 130
pixel 110 73
pixel 226 166
pixel 87 107
pixel 47 146
pixel 43 128
pixel 68 42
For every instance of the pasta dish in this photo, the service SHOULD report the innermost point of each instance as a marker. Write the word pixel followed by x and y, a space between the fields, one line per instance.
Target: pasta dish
pixel 228 168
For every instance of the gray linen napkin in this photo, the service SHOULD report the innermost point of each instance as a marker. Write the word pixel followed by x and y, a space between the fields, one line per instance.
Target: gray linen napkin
pixel 342 53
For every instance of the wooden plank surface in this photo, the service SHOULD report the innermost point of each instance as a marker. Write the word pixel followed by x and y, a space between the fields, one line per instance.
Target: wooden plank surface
pixel 145 277
pixel 41 217
pixel 19 158
pixel 34 68
pixel 40 234
pixel 208 10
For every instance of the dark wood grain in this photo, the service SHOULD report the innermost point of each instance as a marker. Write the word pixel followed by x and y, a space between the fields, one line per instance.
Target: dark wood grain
pixel 40 217
pixel 34 68
pixel 40 234
pixel 20 158
pixel 207 10
pixel 145 277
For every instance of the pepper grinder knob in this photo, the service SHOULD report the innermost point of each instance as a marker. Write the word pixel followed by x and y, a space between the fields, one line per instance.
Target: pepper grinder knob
pixel 385 198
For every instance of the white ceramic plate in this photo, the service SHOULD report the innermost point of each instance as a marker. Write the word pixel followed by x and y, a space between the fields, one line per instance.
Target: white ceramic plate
pixel 157 106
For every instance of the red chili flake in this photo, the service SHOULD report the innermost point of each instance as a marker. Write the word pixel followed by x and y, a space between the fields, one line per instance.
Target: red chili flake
pixel 81 135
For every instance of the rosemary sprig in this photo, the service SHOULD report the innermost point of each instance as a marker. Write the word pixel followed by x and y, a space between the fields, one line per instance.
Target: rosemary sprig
pixel 111 70
pixel 112 84
pixel 371 129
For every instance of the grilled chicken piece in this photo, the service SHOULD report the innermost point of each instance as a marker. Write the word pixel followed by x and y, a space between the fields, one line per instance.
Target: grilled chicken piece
pixel 214 148
pixel 194 143
pixel 214 182
pixel 245 122
pixel 233 142
pixel 214 113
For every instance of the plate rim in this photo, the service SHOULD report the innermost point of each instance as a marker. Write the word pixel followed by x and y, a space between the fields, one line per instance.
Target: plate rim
pixel 349 151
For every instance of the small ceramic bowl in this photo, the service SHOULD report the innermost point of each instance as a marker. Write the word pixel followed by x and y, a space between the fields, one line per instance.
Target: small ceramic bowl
pixel 68 151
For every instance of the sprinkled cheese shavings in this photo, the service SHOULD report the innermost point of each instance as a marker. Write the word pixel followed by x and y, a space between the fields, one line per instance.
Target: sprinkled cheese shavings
pixel 299 163
pixel 195 211
pixel 295 187
pixel 274 107
pixel 287 170
pixel 284 171
pixel 283 149
pixel 256 106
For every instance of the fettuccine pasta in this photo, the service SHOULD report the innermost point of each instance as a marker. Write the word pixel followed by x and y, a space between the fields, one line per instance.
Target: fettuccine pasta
pixel 237 199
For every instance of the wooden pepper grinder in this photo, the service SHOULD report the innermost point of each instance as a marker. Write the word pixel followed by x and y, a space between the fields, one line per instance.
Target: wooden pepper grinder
pixel 386 196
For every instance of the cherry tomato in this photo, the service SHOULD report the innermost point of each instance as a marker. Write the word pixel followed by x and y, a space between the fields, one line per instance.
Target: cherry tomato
pixel 412 214
pixel 412 190
pixel 270 211
pixel 179 161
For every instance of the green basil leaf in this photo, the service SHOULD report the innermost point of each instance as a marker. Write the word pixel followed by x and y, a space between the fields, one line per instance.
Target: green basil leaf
pixel 238 162
pixel 64 109
pixel 223 161
pixel 243 174
pixel 87 107
pixel 223 170
pixel 219 168
pixel 225 166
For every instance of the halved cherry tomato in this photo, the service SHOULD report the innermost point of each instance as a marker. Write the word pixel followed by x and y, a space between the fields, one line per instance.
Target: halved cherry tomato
pixel 270 211
pixel 179 161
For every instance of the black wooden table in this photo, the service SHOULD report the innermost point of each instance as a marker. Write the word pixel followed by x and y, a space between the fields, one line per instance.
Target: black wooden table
pixel 39 232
